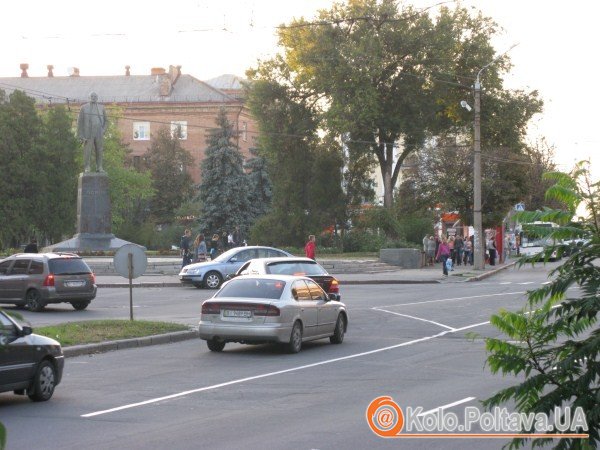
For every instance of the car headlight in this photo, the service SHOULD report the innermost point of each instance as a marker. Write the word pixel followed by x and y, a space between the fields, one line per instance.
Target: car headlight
pixel 194 271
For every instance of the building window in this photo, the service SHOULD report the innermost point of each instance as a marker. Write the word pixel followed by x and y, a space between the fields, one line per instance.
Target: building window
pixel 179 129
pixel 141 131
pixel 244 131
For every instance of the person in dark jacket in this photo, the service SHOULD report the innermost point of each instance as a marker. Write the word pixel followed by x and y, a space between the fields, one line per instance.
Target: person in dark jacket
pixel 31 247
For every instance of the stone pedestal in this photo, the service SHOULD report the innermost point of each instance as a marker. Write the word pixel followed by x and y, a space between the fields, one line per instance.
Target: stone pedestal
pixel 94 219
pixel 407 258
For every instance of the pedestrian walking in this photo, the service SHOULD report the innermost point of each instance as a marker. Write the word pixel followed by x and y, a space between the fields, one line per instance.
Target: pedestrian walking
pixel 443 254
pixel 185 246
pixel 310 247
pixel 431 251
pixel 200 250
pixel 491 248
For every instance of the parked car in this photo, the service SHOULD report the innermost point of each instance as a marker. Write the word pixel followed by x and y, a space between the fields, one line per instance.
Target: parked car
pixel 211 274
pixel 292 266
pixel 34 280
pixel 29 363
pixel 285 309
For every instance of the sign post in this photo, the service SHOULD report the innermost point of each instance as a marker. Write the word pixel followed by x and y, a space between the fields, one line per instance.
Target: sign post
pixel 130 262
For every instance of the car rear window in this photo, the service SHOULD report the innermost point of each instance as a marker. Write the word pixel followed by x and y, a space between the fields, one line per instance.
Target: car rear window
pixel 296 268
pixel 252 288
pixel 68 266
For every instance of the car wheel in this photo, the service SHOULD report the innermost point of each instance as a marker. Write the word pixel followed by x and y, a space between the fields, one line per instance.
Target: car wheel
pixel 43 383
pixel 80 306
pixel 214 345
pixel 33 301
pixel 213 280
pixel 338 333
pixel 295 343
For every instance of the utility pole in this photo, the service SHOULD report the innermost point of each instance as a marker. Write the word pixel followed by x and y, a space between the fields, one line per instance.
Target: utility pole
pixel 478 237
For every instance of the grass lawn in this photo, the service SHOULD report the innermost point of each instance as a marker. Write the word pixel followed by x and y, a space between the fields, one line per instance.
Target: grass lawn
pixel 87 332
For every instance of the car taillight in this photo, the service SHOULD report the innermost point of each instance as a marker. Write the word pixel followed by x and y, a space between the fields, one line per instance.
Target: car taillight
pixel 334 287
pixel 49 281
pixel 210 308
pixel 266 310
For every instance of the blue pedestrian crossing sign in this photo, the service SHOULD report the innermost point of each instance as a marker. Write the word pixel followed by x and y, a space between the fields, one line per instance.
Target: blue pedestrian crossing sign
pixel 520 207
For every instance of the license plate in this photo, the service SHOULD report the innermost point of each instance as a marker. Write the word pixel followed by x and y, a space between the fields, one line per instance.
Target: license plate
pixel 238 314
pixel 74 283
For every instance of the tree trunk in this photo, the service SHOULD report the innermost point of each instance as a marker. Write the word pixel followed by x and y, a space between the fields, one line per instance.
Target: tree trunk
pixel 388 187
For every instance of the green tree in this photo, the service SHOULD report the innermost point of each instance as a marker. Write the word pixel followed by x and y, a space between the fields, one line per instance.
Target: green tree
pixel 554 342
pixel 260 190
pixel 57 168
pixel 287 140
pixel 20 159
pixel 387 78
pixel 224 186
pixel 130 190
pixel 168 162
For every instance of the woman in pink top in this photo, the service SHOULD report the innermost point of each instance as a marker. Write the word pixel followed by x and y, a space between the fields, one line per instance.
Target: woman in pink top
pixel 443 254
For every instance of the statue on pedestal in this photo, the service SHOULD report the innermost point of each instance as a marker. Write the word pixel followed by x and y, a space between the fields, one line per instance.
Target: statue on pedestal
pixel 91 126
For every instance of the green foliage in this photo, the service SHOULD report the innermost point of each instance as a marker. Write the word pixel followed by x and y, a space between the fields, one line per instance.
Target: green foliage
pixel 172 184
pixel 224 187
pixel 383 80
pixel 130 190
pixel 260 189
pixel 554 342
pixel 151 236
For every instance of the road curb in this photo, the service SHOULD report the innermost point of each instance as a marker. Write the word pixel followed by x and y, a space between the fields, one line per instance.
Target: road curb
pixel 489 273
pixel 103 347
pixel 146 284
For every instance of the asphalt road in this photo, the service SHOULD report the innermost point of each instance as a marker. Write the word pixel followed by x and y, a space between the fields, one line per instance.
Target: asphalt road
pixel 405 341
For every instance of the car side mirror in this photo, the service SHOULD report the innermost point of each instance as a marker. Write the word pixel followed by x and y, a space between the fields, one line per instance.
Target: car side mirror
pixel 335 297
pixel 233 260
pixel 26 331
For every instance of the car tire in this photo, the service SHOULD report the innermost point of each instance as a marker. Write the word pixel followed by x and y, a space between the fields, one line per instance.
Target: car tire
pixel 295 344
pixel 213 280
pixel 214 345
pixel 33 301
pixel 44 382
pixel 81 305
pixel 338 333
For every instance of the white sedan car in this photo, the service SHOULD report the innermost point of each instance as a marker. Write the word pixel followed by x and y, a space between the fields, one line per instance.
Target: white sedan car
pixel 281 309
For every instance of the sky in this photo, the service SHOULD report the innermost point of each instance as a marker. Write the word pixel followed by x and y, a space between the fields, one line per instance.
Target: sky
pixel 556 54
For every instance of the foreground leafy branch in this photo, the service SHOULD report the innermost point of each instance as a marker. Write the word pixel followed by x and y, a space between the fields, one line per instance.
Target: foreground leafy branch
pixel 554 341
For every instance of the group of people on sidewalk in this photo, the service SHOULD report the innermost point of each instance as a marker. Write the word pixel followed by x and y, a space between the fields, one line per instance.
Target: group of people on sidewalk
pixel 455 251
pixel 201 249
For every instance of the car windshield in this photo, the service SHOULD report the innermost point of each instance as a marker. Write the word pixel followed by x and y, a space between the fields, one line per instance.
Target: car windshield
pixel 228 254
pixel 309 268
pixel 68 266
pixel 252 288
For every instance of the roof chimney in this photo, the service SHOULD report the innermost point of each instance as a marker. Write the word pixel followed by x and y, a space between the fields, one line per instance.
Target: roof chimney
pixel 174 73
pixel 127 72
pixel 50 68
pixel 157 71
pixel 24 67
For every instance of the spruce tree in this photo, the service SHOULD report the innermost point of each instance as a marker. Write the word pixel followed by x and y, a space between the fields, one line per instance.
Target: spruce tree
pixel 260 190
pixel 224 187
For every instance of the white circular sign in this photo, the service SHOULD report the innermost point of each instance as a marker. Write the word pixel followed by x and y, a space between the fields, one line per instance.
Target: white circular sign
pixel 139 261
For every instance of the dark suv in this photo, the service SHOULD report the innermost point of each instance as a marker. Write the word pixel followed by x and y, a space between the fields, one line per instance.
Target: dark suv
pixel 29 363
pixel 35 279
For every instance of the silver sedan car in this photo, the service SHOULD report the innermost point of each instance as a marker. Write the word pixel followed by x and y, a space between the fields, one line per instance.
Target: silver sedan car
pixel 281 309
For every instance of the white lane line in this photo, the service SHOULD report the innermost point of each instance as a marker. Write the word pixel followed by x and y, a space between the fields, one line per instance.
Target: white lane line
pixel 506 282
pixel 526 282
pixel 279 372
pixel 452 299
pixel 449 405
pixel 416 318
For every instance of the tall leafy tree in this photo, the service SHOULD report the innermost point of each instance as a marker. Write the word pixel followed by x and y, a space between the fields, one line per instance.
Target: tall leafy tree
pixel 388 77
pixel 20 159
pixel 224 186
pixel 554 341
pixel 168 161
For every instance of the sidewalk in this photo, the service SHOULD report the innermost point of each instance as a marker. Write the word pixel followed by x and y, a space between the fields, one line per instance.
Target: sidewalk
pixel 425 275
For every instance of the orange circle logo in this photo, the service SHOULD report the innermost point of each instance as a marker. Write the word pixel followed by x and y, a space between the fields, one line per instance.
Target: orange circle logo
pixel 385 417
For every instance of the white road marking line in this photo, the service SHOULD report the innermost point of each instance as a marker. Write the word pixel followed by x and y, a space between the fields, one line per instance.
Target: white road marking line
pixel 506 282
pixel 526 282
pixel 416 318
pixel 279 372
pixel 449 405
pixel 451 299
